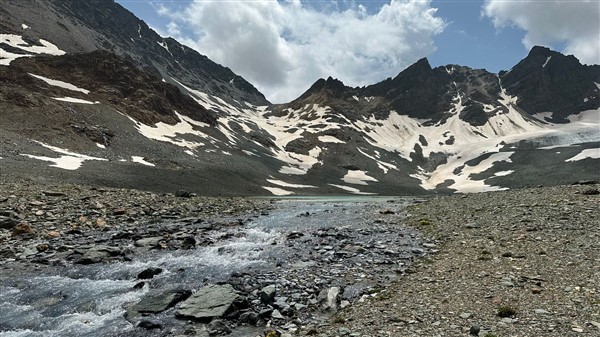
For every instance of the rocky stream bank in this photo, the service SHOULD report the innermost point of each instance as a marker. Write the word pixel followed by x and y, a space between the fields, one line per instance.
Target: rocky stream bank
pixel 78 260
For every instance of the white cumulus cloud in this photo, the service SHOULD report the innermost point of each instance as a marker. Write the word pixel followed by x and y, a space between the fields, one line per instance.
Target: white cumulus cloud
pixel 283 47
pixel 574 24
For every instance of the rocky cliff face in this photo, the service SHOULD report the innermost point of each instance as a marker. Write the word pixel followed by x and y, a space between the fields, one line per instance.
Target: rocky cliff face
pixel 113 80
pixel 84 26
pixel 547 81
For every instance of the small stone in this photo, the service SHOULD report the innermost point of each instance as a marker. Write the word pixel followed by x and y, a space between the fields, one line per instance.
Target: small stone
pixel 276 314
pixel 119 211
pixel 249 317
pixel 149 273
pixel 474 330
pixel 267 294
pixel 344 331
pixel 536 290
pixel 53 234
pixel 466 315
pixel 22 228
pixel 183 194
pixel 7 222
pixel 53 193
pixel 218 326
pixel 149 325
pixel 42 247
pixel 148 242
pixel 100 222
pixel 272 333
pixel 139 285
pixel 542 312
pixel 577 329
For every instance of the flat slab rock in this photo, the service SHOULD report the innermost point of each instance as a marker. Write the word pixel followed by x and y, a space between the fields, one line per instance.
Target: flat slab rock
pixel 209 302
pixel 155 302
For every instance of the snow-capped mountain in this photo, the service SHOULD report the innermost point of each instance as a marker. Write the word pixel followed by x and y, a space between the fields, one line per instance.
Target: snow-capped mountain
pixel 90 94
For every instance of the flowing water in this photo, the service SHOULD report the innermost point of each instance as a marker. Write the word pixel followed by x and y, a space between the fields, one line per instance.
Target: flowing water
pixel 91 300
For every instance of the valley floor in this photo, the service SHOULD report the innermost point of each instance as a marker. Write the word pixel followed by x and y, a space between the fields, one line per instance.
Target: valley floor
pixel 531 254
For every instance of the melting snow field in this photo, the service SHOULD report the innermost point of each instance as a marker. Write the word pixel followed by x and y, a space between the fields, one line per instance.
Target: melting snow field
pixel 68 161
pixel 357 177
pixel 587 153
pixel 16 41
pixel 172 133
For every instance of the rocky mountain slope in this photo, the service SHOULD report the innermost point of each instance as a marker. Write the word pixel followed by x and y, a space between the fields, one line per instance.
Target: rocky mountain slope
pixel 91 94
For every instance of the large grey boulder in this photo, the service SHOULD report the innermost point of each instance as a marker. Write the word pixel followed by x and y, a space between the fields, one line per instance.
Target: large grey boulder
pixel 158 301
pixel 209 302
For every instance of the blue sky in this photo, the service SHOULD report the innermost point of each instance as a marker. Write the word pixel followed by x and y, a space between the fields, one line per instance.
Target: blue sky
pixel 283 47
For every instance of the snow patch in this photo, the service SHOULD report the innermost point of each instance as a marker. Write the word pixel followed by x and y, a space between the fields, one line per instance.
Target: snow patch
pixel 330 139
pixel 140 160
pixel 277 191
pixel 357 177
pixel 24 26
pixel 356 98
pixel 547 60
pixel 60 84
pixel 284 184
pixel 385 167
pixel 171 133
pixel 250 153
pixel 503 173
pixel 100 146
pixel 68 161
pixel 165 47
pixel 587 153
pixel 351 189
pixel 462 180
pixel 74 100
pixel 16 41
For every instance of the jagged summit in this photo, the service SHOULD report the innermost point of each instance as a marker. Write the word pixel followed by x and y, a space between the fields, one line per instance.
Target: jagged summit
pixel 548 81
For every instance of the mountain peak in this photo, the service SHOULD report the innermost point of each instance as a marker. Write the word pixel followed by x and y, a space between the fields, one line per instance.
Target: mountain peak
pixel 540 50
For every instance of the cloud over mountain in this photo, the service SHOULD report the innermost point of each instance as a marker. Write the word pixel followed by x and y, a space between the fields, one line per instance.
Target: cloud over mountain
pixel 573 24
pixel 284 47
